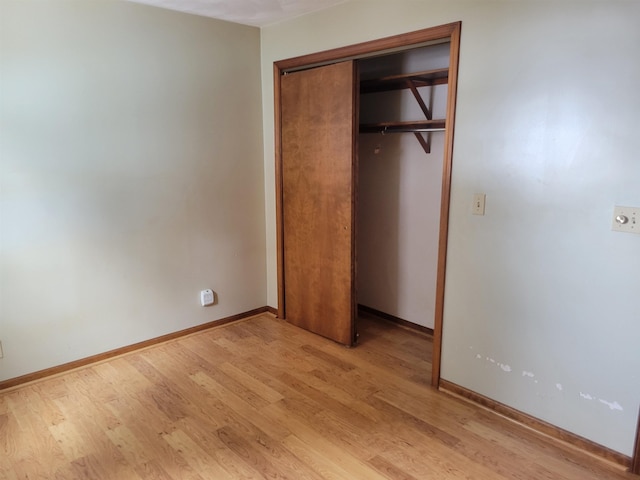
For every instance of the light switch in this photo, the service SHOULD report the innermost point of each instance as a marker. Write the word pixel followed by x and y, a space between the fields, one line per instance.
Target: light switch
pixel 625 219
pixel 478 203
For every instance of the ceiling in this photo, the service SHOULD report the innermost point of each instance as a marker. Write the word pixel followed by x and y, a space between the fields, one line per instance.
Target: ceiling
pixel 258 13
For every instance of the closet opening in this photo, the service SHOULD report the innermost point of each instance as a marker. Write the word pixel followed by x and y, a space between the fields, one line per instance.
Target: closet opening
pixel 403 107
pixel 362 186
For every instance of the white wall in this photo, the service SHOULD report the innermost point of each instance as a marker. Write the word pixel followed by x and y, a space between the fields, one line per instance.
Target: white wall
pixel 546 120
pixel 131 176
pixel 399 190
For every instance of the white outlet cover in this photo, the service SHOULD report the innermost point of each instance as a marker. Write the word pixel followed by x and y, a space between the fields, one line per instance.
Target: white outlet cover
pixel 626 219
pixel 207 297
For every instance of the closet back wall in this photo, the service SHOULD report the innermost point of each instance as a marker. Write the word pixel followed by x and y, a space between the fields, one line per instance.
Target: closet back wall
pixel 131 176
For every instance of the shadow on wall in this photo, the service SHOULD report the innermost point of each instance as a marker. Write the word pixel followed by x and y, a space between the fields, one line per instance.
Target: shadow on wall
pixel 378 202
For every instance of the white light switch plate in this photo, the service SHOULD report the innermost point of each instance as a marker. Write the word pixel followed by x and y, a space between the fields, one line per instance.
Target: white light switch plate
pixel 626 219
pixel 478 203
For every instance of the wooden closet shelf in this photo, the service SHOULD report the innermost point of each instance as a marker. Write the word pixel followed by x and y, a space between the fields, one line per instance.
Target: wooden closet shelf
pixel 426 78
pixel 399 127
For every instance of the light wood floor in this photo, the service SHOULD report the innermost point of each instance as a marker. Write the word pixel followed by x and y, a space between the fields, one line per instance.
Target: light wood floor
pixel 262 399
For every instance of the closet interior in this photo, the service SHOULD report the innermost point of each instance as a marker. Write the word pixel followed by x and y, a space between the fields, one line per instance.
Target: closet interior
pixel 402 118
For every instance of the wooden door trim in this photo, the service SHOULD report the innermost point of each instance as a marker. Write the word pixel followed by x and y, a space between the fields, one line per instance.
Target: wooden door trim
pixel 454 54
pixel 277 73
pixel 635 460
pixel 450 32
pixel 402 40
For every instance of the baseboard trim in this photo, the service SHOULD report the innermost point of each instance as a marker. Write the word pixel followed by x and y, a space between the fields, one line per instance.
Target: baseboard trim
pixel 83 362
pixel 535 424
pixel 394 319
pixel 272 310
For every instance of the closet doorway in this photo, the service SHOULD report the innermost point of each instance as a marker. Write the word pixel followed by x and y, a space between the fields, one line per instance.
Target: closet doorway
pixel 317 172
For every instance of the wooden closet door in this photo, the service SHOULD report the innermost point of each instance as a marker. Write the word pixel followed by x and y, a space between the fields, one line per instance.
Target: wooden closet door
pixel 319 121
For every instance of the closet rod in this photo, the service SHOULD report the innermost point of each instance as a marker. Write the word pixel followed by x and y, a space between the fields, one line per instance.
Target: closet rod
pixel 411 130
pixel 384 130
pixel 416 126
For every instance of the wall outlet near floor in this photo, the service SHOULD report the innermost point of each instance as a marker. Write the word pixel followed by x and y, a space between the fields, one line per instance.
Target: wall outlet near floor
pixel 207 297
pixel 626 219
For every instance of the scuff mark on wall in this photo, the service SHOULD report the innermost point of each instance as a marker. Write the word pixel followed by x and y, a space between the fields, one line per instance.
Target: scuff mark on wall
pixel 558 386
pixel 612 405
pixel 503 366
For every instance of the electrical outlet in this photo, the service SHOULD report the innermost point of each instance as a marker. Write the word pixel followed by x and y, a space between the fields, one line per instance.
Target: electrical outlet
pixel 207 297
pixel 626 219
pixel 478 203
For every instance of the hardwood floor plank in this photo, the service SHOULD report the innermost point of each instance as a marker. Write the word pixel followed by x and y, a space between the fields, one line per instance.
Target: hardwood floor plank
pixel 4 407
pixel 80 405
pixel 333 360
pixel 163 454
pixel 47 408
pixel 412 404
pixel 324 401
pixel 361 441
pixel 282 459
pixel 132 449
pixel 196 457
pixel 70 440
pixel 243 409
pixel 310 433
pixel 399 419
pixel 152 471
pixel 269 466
pixel 12 439
pixel 283 353
pixel 113 372
pixel 251 383
pixel 207 438
pixel 94 466
pixel 320 464
pixel 389 470
pixel 321 383
pixel 261 399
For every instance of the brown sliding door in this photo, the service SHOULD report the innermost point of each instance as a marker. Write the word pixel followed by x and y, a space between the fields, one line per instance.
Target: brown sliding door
pixel 318 145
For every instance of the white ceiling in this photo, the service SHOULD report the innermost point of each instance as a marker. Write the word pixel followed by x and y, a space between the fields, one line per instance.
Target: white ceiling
pixel 248 12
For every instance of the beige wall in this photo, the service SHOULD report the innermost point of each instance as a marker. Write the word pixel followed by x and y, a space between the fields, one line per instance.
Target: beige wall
pixel 541 297
pixel 131 176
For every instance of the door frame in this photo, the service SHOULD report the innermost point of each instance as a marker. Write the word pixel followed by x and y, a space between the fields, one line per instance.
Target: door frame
pixel 448 32
pixel 635 459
